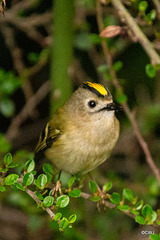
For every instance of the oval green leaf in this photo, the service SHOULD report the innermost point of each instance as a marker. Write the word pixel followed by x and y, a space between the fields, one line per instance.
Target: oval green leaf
pixel 2 189
pixel 95 198
pixel 20 186
pixel 63 223
pixel 75 193
pixel 154 237
pixel 8 159
pixel 128 194
pixel 41 181
pixel 147 211
pixel 47 168
pixel 140 220
pixel 11 179
pixel 72 218
pixel 48 201
pixel 62 201
pixel 57 216
pixel 150 70
pixel 107 186
pixel 123 207
pixel 28 179
pixel 71 181
pixel 115 198
pixel 93 186
pixel 30 165
pixel 39 196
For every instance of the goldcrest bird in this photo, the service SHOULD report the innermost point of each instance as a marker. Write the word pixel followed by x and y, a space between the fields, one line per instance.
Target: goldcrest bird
pixel 82 133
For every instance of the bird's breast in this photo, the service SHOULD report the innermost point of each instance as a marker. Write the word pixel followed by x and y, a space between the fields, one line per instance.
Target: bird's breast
pixel 83 148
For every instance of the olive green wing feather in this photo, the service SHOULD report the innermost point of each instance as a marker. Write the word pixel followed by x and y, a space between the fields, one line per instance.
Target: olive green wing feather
pixel 47 138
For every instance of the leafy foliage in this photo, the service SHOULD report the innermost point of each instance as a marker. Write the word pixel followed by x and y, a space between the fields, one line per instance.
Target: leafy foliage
pixel 47 197
pixel 9 83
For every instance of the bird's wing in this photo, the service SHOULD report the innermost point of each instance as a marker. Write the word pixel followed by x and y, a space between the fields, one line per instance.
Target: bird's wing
pixel 47 138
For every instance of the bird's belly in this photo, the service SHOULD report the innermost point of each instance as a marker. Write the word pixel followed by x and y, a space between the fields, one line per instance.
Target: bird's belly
pixel 78 156
pixel 83 150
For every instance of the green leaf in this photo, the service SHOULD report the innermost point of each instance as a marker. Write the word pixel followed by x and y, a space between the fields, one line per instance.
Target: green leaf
pixel 28 179
pixel 123 207
pixel 9 82
pixel 71 181
pixel 62 201
pixel 93 186
pixel 82 41
pixel 39 196
pixel 150 70
pixel 49 177
pixel 140 220
pixel 95 38
pixel 151 15
pixel 30 165
pixel 115 198
pixel 33 57
pixel 3 169
pixel 48 201
pixel 72 218
pixel 8 159
pixel 75 193
pixel 147 211
pixel 139 205
pixel 121 98
pixel 11 179
pixel 95 198
pixel 63 224
pixel 4 145
pixel 118 65
pixel 135 212
pixel 107 186
pixel 7 107
pixel 152 218
pixel 47 168
pixel 128 194
pixel 13 165
pixel 57 216
pixel 2 189
pixel 143 5
pixel 154 237
pixel 103 69
pixel 20 186
pixel 41 181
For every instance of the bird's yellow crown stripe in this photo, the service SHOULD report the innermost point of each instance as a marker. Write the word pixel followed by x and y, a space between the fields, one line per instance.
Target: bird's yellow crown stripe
pixel 100 88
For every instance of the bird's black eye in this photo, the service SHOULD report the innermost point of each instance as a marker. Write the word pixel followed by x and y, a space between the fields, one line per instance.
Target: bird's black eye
pixel 92 104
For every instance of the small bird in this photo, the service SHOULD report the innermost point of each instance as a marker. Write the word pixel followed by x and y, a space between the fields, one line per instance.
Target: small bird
pixel 82 133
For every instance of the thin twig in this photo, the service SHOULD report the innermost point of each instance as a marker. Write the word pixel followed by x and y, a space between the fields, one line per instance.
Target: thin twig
pixel 27 110
pixel 129 20
pixel 33 196
pixel 17 57
pixel 128 112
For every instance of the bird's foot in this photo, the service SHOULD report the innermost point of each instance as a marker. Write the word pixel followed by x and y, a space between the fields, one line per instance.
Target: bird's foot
pixel 57 189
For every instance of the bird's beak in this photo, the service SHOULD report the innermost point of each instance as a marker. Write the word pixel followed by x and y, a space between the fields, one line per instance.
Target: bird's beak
pixel 112 107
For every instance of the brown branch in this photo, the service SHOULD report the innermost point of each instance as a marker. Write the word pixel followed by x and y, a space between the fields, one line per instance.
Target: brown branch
pixel 29 24
pixel 17 57
pixel 83 195
pixel 107 204
pixel 141 37
pixel 27 110
pixel 33 196
pixel 128 112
